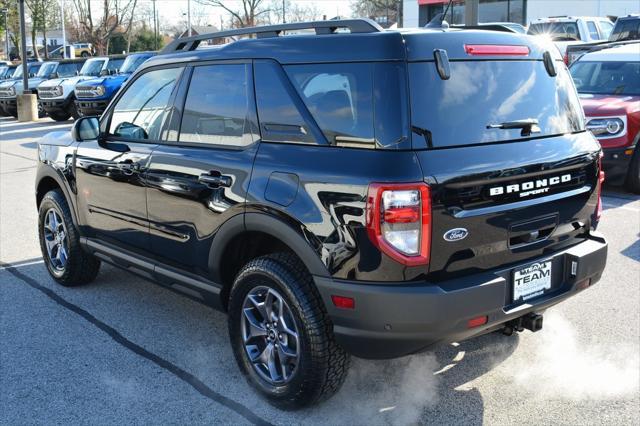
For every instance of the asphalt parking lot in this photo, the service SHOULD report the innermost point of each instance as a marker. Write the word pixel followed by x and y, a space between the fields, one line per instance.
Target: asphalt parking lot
pixel 125 350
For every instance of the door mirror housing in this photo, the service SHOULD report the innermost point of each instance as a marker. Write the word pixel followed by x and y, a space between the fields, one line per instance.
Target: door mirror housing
pixel 53 75
pixel 85 128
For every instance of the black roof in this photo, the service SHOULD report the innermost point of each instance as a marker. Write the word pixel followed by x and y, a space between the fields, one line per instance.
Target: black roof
pixel 336 46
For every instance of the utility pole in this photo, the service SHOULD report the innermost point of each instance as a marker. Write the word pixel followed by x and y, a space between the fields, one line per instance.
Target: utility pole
pixel 155 27
pixel 284 19
pixel 23 48
pixel 64 34
pixel 189 17
pixel 470 12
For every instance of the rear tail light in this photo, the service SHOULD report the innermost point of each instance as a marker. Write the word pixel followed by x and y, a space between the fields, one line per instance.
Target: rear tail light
pixel 477 322
pixel 399 221
pixel 598 213
pixel 496 49
pixel 566 58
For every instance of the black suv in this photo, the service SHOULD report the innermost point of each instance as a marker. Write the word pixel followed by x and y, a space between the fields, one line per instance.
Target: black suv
pixel 344 190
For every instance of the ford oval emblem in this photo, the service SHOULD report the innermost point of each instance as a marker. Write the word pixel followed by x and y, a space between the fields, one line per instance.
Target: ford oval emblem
pixel 455 234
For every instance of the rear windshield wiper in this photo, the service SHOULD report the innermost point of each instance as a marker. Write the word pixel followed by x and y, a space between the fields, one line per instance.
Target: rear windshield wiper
pixel 528 126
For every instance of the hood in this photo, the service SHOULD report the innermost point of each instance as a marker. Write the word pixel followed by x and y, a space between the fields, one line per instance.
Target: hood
pixel 605 105
pixel 94 81
pixel 8 83
pixel 59 138
pixel 67 80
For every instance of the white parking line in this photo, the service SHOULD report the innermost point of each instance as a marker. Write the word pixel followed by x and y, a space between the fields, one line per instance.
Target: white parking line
pixel 20 264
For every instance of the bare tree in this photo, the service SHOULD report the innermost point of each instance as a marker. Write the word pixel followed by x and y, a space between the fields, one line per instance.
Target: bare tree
pixel 294 12
pixel 384 11
pixel 98 31
pixel 251 12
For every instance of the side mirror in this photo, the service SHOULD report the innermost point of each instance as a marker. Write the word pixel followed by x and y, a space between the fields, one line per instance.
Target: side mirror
pixel 54 75
pixel 104 73
pixel 32 74
pixel 85 128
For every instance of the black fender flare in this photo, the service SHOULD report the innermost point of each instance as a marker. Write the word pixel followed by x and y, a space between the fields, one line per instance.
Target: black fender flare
pixel 47 171
pixel 266 223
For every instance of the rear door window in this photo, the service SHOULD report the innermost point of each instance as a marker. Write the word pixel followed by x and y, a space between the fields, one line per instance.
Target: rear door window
pixel 593 30
pixel 480 94
pixel 217 106
pixel 356 105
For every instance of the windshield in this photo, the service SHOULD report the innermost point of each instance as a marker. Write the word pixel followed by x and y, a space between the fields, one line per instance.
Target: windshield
pixel 132 63
pixel 69 69
pixel 18 72
pixel 92 67
pixel 3 71
pixel 607 78
pixel 482 96
pixel 558 31
pixel 626 30
pixel 46 69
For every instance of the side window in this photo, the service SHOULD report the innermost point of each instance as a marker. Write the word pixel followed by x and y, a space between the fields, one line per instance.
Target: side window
pixel 140 112
pixel 280 119
pixel 593 30
pixel 115 64
pixel 605 29
pixel 340 98
pixel 217 106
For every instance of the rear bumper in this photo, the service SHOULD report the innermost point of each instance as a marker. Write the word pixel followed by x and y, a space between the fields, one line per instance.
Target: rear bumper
pixel 615 164
pixel 392 320
pixel 90 107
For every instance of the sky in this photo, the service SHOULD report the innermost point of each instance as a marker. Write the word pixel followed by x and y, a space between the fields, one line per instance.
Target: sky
pixel 171 12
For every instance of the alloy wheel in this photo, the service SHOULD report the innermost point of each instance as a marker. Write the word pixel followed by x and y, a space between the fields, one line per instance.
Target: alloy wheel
pixel 55 239
pixel 270 336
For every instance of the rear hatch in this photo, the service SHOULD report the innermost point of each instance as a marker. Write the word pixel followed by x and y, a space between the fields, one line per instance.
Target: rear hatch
pixel 502 143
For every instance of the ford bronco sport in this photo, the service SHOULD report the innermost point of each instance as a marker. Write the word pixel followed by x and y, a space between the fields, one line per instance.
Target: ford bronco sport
pixel 344 191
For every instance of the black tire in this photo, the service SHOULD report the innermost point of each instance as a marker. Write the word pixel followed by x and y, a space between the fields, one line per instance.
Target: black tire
pixel 85 54
pixel 80 267
pixel 59 116
pixel 3 113
pixel 633 175
pixel 322 365
pixel 75 112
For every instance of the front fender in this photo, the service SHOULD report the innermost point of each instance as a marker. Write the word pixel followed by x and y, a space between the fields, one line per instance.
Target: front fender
pixel 62 174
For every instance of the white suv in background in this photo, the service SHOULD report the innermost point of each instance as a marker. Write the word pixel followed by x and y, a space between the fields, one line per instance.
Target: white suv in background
pixel 567 30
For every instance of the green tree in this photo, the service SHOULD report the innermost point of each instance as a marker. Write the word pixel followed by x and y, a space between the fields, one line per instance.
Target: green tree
pixel 143 40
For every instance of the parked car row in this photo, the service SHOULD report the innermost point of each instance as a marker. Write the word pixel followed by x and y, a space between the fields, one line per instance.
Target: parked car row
pixel 69 87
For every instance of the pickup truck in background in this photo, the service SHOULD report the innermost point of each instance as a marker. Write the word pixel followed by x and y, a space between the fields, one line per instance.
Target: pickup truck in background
pixel 626 29
pixel 567 31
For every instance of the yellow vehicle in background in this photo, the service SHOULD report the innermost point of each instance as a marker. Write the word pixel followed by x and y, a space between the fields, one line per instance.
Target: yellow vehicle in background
pixel 83 49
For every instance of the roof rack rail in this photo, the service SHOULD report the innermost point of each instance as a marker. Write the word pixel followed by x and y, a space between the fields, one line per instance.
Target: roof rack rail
pixel 186 44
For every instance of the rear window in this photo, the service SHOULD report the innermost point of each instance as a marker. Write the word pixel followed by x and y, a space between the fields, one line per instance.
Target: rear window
pixel 607 77
pixel 626 30
pixel 558 31
pixel 479 94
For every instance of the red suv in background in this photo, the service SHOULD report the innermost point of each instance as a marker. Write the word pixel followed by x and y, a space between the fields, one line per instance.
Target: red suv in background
pixel 608 82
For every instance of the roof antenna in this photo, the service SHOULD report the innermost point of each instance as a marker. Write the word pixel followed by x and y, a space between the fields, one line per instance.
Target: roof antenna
pixel 438 21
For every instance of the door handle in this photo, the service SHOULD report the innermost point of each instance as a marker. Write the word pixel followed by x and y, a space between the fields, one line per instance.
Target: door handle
pixel 128 167
pixel 215 179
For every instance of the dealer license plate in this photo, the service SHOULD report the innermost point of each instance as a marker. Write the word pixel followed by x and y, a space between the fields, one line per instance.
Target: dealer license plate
pixel 531 281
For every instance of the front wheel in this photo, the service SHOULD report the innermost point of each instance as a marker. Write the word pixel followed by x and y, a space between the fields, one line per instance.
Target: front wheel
pixel 65 259
pixel 281 335
pixel 59 116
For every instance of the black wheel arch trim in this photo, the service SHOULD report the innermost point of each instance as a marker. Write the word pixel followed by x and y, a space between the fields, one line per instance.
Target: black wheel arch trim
pixel 46 171
pixel 268 224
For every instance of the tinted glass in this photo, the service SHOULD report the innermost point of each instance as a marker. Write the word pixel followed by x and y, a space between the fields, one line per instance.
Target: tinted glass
pixel 140 112
pixel 340 98
pixel 482 93
pixel 92 67
pixel 68 69
pixel 593 30
pixel 558 31
pixel 280 119
pixel 216 107
pixel 46 69
pixel 115 64
pixel 611 78
pixel 626 30
pixel 132 63
pixel 3 71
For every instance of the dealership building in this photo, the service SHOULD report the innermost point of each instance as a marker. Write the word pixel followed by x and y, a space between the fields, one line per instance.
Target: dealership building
pixel 420 12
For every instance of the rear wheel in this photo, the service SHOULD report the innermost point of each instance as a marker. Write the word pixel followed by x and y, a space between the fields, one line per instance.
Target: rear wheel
pixel 60 116
pixel 85 54
pixel 281 335
pixel 633 175
pixel 75 113
pixel 66 261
